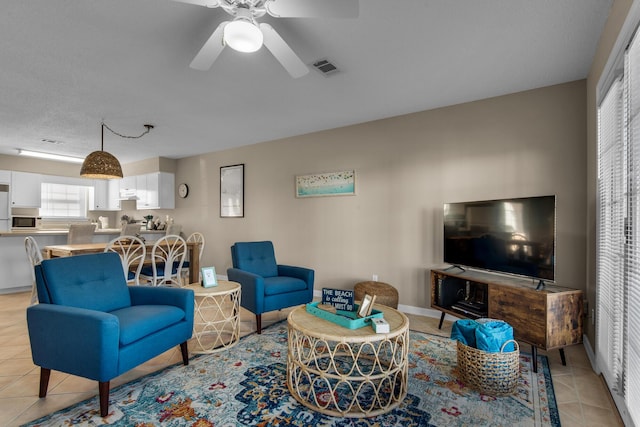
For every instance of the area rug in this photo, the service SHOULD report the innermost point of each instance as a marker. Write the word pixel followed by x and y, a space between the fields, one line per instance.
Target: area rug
pixel 246 385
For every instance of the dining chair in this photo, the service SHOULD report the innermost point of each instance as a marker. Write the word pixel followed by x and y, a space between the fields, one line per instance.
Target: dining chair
pixel 132 229
pixel 80 233
pixel 169 250
pixel 173 229
pixel 34 254
pixel 195 237
pixel 132 253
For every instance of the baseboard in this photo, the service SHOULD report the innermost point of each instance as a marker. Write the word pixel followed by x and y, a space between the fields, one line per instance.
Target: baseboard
pixel 409 309
pixel 591 355
pixel 15 290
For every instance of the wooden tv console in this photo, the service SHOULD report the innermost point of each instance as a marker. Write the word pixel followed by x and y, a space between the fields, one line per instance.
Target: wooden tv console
pixel 546 318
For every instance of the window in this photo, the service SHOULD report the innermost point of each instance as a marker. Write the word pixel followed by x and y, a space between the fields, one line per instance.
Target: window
pixel 64 200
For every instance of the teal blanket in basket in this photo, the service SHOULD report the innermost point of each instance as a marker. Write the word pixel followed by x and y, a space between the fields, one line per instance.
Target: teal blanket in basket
pixel 491 336
pixel 464 330
pixel 484 334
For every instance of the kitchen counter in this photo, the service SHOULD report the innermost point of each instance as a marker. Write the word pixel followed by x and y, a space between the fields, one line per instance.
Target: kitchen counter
pixel 58 232
pixel 16 270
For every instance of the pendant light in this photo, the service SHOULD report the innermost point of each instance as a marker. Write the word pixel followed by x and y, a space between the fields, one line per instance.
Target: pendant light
pixel 104 165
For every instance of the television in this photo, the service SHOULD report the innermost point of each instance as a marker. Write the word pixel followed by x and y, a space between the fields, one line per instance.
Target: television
pixel 513 236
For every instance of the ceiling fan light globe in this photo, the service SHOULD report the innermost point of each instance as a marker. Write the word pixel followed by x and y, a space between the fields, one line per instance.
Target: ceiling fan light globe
pixel 243 36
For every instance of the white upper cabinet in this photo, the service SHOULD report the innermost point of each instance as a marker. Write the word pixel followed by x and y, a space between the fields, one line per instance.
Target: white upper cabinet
pixel 155 191
pixel 5 177
pixel 113 190
pixel 106 195
pixel 25 189
pixel 100 195
pixel 127 187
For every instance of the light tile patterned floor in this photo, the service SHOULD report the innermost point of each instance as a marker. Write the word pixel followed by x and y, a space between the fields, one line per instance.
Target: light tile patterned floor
pixel 582 397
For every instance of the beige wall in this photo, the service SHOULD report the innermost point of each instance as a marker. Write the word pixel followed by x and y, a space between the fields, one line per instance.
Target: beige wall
pixel 617 15
pixel 524 144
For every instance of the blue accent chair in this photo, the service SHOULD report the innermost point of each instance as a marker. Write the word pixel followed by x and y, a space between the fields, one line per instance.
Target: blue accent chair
pixel 89 323
pixel 266 285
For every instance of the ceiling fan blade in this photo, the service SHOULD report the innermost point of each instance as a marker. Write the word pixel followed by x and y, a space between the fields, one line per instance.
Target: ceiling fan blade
pixel 210 51
pixel 283 53
pixel 313 8
pixel 206 3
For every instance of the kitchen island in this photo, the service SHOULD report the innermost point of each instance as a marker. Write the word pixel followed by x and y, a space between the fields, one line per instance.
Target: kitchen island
pixel 16 270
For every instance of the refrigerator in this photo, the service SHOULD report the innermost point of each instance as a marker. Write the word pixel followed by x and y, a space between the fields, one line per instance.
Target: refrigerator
pixel 4 207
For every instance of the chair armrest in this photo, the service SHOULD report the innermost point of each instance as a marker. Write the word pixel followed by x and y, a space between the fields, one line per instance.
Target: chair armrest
pixel 74 340
pixel 305 274
pixel 252 289
pixel 146 295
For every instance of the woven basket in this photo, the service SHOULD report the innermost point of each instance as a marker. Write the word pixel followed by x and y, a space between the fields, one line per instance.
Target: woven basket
pixel 493 374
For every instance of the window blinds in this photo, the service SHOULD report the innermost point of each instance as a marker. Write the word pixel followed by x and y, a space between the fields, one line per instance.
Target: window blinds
pixel 611 239
pixel 618 256
pixel 632 284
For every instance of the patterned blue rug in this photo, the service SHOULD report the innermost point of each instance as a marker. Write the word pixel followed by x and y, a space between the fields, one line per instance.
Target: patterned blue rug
pixel 246 385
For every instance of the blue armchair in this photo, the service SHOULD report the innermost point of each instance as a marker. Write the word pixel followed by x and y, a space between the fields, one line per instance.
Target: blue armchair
pixel 91 324
pixel 267 286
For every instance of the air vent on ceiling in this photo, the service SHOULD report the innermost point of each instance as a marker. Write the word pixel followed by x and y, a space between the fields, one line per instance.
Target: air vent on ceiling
pixel 325 67
pixel 52 141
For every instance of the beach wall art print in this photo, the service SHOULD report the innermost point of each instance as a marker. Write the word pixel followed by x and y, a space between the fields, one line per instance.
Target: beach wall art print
pixel 326 184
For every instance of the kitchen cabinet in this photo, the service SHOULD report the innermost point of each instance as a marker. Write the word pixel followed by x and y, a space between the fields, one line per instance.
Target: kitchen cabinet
pixel 155 191
pixel 113 192
pixel 5 177
pixel 106 195
pixel 127 187
pixel 25 189
pixel 100 194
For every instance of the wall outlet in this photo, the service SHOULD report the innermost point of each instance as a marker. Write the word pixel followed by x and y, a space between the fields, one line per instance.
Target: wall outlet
pixel 375 277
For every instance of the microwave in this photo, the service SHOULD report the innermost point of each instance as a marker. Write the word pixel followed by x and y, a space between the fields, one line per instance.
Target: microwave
pixel 29 222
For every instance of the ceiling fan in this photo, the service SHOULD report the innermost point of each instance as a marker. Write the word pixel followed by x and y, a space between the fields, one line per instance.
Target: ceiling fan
pixel 243 33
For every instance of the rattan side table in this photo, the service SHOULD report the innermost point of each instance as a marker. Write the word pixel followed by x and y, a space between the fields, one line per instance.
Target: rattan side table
pixel 216 320
pixel 347 372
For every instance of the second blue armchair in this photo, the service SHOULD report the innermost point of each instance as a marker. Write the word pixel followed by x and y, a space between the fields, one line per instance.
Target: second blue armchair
pixel 266 285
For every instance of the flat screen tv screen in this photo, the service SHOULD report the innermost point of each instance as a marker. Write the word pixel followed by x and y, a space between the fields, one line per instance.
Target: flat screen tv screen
pixel 514 236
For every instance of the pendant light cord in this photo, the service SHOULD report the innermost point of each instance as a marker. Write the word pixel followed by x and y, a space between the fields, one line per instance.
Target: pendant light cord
pixel 149 127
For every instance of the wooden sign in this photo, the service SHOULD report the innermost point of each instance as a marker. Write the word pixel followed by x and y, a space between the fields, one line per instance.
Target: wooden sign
pixel 341 299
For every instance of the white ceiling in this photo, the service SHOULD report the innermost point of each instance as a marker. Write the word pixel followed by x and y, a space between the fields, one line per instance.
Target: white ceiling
pixel 66 65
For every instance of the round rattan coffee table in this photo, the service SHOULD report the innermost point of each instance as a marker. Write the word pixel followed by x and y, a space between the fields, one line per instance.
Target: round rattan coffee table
pixel 216 320
pixel 347 372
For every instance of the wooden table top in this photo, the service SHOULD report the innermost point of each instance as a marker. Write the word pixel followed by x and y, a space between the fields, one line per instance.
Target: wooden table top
pixel 317 327
pixel 56 251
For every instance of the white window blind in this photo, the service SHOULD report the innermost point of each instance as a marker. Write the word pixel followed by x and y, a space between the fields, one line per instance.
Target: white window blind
pixel 632 284
pixel 611 235
pixel 618 257
pixel 64 200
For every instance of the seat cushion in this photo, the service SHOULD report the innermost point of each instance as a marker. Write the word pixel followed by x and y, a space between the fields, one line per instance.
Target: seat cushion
pixel 148 270
pixel 283 285
pixel 138 321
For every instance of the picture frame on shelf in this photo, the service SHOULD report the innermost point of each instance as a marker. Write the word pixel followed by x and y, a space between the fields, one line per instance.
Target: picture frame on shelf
pixel 209 277
pixel 232 191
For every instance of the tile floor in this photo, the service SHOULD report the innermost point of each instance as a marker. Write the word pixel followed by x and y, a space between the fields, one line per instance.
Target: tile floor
pixel 581 395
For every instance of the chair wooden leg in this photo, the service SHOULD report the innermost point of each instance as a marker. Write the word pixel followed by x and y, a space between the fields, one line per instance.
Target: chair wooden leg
pixel 45 373
pixel 259 323
pixel 103 389
pixel 185 353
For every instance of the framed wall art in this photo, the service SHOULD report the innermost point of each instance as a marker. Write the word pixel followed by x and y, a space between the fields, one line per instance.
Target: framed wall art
pixel 232 191
pixel 326 184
